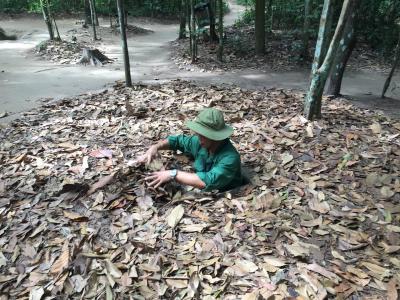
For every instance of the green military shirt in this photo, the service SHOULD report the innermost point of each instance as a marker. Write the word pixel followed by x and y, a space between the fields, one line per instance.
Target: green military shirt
pixel 219 171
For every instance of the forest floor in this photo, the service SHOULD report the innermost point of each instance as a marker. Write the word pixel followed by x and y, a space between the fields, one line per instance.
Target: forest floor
pixel 282 53
pixel 319 220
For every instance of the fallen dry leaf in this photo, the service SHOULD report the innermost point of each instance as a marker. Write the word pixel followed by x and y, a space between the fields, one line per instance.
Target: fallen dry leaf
pixel 62 261
pixel 175 216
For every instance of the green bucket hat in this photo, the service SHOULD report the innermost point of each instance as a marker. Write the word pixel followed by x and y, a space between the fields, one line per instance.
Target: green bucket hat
pixel 210 123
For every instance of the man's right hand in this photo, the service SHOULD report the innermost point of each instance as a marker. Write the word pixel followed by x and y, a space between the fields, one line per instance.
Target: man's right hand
pixel 148 156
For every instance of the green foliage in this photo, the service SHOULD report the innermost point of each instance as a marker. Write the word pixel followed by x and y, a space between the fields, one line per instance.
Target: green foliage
pixel 146 8
pixel 246 18
pixel 375 25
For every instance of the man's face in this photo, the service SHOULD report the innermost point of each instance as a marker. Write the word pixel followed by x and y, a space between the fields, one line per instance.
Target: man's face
pixel 205 142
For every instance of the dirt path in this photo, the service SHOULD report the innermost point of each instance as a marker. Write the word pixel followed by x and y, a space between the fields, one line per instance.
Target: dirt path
pixel 24 80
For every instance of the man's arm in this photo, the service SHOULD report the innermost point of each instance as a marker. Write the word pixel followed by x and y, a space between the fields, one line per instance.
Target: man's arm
pixel 190 179
pixel 162 177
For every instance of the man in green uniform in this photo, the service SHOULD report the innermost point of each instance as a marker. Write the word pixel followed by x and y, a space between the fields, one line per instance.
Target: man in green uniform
pixel 216 161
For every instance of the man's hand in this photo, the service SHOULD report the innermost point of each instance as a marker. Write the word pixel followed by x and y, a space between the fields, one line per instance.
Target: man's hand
pixel 159 178
pixel 148 156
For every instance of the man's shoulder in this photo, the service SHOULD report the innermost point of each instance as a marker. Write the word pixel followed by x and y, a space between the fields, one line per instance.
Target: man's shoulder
pixel 232 149
pixel 229 152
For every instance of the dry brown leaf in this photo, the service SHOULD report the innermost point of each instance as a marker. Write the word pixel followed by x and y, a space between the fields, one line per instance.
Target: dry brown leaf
pixel 276 262
pixel 392 289
pixel 36 293
pixel 101 183
pixel 62 261
pixel 112 269
pixel 75 217
pixel 177 283
pixel 324 272
pixel 377 271
pixel 376 128
pixel 298 250
pixel 175 216
pixel 319 206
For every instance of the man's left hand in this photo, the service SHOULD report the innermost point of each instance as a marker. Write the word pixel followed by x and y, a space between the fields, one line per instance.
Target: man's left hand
pixel 159 178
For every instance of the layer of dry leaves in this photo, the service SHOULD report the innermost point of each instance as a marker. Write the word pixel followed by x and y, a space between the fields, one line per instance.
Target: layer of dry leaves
pixel 282 53
pixel 69 50
pixel 131 30
pixel 62 52
pixel 321 220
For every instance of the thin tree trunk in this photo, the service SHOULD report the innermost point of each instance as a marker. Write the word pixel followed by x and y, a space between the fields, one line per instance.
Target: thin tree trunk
pixel 121 16
pixel 328 31
pixel 322 40
pixel 395 64
pixel 110 12
pixel 193 34
pixel 95 12
pixel 182 24
pixel 312 104
pixel 343 54
pixel 91 2
pixel 221 30
pixel 56 27
pixel 211 10
pixel 306 29
pixel 126 18
pixel 88 18
pixel 268 15
pixel 47 19
pixel 260 27
pixel 53 20
pixel 189 21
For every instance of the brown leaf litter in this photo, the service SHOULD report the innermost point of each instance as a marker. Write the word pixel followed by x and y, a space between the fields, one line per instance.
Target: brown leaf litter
pixel 320 220
pixel 282 53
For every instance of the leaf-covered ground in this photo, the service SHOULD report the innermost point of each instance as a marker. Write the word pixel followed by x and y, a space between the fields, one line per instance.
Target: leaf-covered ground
pixel 69 50
pixel 282 53
pixel 320 220
pixel 62 52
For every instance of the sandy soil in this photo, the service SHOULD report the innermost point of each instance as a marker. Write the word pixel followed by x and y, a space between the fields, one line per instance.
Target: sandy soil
pixel 25 80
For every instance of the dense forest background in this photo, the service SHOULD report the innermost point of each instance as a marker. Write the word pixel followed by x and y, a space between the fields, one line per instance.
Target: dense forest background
pixel 376 22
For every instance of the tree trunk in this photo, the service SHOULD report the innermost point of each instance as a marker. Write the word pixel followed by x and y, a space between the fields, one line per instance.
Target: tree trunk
pixel 110 15
pixel 56 27
pixel 88 18
pixel 395 63
pixel 312 104
pixel 322 40
pixel 343 54
pixel 182 24
pixel 328 31
pixel 221 30
pixel 306 29
pixel 53 20
pixel 47 19
pixel 189 21
pixel 213 33
pixel 95 13
pixel 92 15
pixel 193 33
pixel 121 16
pixel 260 27
pixel 268 15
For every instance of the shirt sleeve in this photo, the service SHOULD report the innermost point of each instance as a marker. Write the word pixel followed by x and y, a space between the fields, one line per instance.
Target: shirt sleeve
pixel 222 173
pixel 186 144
